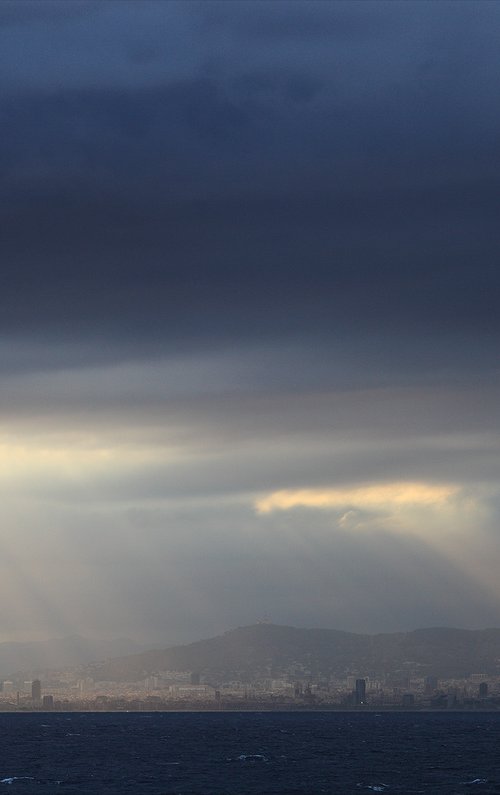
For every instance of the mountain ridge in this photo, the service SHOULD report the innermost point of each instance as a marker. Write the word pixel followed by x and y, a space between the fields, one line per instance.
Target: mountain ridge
pixel 274 650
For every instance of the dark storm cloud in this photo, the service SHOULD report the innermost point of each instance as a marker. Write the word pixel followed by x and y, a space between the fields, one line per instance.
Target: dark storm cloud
pixel 268 196
pixel 261 20
pixel 27 12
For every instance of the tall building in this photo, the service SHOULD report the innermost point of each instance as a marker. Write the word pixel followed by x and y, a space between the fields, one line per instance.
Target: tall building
pixel 483 690
pixel 430 685
pixel 36 691
pixel 360 692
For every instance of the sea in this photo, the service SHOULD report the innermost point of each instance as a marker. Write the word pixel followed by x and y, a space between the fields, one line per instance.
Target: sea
pixel 244 753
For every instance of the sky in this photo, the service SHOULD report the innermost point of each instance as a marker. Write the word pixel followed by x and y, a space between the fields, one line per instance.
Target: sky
pixel 249 324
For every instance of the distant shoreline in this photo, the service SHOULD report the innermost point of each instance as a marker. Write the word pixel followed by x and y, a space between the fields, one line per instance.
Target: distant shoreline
pixel 304 710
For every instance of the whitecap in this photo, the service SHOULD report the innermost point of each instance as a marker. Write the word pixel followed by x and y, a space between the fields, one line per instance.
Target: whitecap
pixel 252 758
pixel 11 779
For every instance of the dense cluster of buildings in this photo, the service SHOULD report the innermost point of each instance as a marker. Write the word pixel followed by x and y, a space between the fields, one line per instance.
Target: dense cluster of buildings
pixel 188 690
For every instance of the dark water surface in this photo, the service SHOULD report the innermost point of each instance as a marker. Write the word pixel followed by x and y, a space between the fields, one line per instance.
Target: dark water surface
pixel 246 753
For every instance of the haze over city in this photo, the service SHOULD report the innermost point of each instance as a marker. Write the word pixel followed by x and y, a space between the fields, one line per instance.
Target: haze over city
pixel 249 324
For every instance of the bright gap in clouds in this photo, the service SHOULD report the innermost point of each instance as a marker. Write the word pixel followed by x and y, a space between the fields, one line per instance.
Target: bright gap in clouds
pixel 373 497
pixel 450 520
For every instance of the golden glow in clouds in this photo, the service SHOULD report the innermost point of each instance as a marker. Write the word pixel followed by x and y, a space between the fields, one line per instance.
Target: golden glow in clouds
pixel 369 497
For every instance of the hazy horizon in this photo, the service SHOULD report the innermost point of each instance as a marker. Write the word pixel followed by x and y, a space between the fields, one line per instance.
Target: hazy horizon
pixel 157 643
pixel 249 324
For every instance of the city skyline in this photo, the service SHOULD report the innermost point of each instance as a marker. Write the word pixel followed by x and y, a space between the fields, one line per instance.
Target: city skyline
pixel 249 327
pixel 273 667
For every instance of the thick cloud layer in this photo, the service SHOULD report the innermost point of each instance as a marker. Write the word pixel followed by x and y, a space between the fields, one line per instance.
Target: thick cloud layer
pixel 248 250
